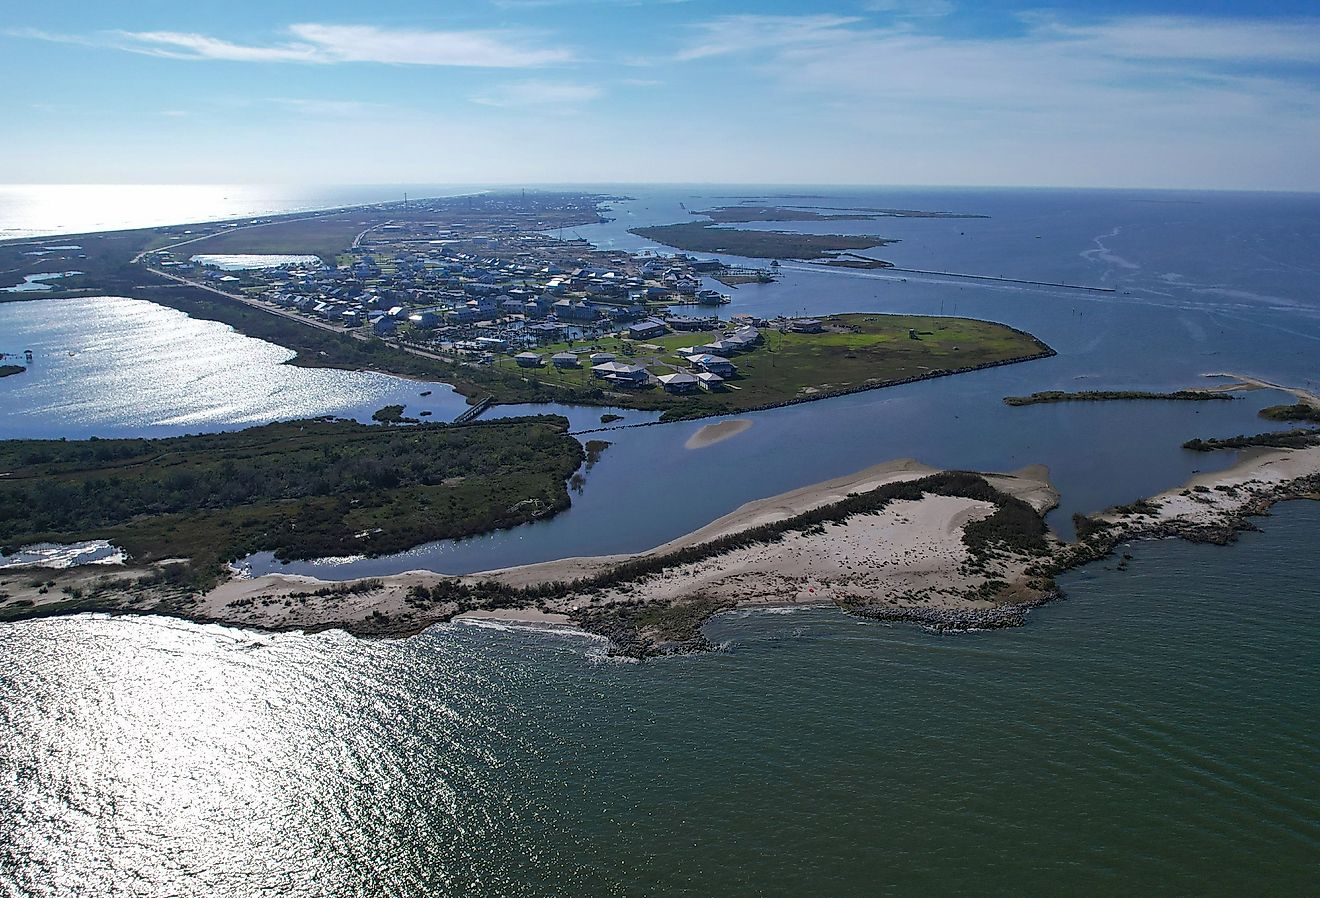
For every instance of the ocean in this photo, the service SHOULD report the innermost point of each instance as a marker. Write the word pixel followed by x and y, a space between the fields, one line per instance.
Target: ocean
pixel 1153 733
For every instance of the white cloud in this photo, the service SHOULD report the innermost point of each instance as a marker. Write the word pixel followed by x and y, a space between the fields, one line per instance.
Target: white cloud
pixel 1190 38
pixel 917 9
pixel 741 33
pixel 552 96
pixel 315 43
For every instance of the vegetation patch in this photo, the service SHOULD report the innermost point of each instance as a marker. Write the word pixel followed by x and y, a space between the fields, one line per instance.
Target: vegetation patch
pixel 303 489
pixel 1299 411
pixel 1048 396
pixel 1288 439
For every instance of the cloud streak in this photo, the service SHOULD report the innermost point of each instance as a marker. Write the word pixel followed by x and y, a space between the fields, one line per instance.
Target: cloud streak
pixel 331 44
pixel 551 96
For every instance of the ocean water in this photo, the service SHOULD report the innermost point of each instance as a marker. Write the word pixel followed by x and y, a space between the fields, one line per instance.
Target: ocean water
pixel 43 210
pixel 1152 734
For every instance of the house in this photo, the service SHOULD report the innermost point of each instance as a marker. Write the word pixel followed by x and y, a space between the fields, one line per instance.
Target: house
pixel 493 344
pixel 705 265
pixel 745 338
pixel 600 358
pixel 564 360
pixel 713 364
pixel 645 330
pixel 805 326
pixel 710 297
pixel 567 310
pixel 682 382
pixel 709 382
pixel 528 360
pixel 619 373
pixel 723 348
pixel 463 315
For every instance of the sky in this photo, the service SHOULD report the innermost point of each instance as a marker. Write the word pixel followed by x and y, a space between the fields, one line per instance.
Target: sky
pixel 1136 93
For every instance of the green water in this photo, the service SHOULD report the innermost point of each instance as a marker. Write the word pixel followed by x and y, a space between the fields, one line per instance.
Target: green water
pixel 1155 733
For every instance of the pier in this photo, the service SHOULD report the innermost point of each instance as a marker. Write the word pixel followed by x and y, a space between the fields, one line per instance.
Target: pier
pixel 473 412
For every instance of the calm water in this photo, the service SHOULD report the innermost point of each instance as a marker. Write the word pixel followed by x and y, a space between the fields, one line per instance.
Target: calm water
pixel 1153 734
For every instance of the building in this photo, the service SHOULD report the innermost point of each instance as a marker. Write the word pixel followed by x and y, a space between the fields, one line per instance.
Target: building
pixel 709 382
pixel 619 373
pixel 713 364
pixel 682 382
pixel 645 330
pixel 528 360
pixel 806 326
pixel 564 360
pixel 600 358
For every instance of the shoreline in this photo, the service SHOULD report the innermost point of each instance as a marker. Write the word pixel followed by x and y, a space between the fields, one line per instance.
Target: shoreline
pixel 908 560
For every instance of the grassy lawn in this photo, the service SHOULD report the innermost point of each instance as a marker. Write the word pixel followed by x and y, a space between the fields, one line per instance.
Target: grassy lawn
pixel 857 352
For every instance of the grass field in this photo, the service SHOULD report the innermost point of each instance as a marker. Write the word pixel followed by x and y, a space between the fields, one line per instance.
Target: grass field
pixel 326 237
pixel 858 352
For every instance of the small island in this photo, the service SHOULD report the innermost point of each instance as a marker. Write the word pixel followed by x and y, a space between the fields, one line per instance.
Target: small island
pixel 1298 411
pixel 11 370
pixel 740 214
pixel 1050 396
pixel 708 237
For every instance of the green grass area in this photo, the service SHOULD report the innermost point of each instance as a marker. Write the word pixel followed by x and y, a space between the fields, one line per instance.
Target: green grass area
pixel 705 237
pixel 858 352
pixel 302 489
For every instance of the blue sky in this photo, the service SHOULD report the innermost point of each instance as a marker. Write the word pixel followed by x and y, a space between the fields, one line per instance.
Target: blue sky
pixel 1211 94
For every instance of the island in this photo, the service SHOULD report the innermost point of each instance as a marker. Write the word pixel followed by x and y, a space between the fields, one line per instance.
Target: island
pixel 11 370
pixel 709 237
pixel 1052 396
pixel 740 214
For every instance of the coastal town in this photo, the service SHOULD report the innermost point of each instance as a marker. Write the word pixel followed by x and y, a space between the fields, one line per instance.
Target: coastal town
pixel 493 293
